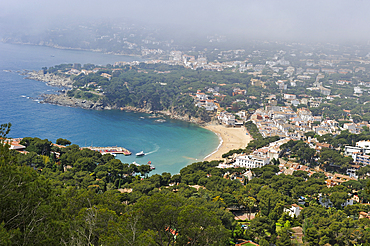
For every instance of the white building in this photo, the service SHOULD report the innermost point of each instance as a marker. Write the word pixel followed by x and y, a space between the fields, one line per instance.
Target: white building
pixel 293 210
pixel 242 114
pixel 330 123
pixel 363 144
pixel 324 90
pixel 295 102
pixel 305 114
pixel 226 119
pixel 210 105
pixel 363 159
pixel 201 96
pixel 282 85
pixel 357 90
pixel 352 128
pixel 251 161
pixel 350 150
pixel 289 96
pixel 361 148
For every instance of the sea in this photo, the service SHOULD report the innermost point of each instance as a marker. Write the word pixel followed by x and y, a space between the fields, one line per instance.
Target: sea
pixel 169 145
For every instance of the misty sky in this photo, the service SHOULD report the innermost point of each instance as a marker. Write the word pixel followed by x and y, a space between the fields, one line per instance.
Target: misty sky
pixel 325 20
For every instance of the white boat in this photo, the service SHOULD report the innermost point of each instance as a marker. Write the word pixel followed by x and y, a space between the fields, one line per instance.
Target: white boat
pixel 141 153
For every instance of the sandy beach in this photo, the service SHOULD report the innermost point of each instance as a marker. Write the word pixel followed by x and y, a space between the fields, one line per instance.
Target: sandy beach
pixel 232 138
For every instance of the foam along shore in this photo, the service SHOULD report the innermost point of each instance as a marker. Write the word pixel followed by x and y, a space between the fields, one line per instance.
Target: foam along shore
pixel 230 138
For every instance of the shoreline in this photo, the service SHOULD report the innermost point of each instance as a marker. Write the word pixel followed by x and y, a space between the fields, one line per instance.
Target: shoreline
pixel 230 138
pixel 217 148
pixel 63 99
pixel 66 101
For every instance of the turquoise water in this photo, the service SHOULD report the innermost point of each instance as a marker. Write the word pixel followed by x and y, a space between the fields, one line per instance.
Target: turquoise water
pixel 169 146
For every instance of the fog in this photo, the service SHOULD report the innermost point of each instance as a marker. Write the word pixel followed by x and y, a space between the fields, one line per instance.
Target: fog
pixel 303 20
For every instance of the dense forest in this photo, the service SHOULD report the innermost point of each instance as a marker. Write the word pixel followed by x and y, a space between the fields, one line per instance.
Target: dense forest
pixel 161 87
pixel 58 195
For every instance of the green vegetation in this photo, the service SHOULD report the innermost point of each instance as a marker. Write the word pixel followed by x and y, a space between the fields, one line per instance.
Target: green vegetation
pixel 78 93
pixel 259 143
pixel 77 192
pixel 330 159
pixel 159 87
pixel 344 138
pixel 334 110
pixel 62 141
pixel 299 149
pixel 85 206
pixel 253 130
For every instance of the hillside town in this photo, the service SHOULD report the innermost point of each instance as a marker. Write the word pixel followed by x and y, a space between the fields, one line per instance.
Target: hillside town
pixel 306 115
pixel 179 123
pixel 295 93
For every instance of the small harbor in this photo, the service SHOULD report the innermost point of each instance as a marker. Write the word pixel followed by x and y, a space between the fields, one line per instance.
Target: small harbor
pixel 111 150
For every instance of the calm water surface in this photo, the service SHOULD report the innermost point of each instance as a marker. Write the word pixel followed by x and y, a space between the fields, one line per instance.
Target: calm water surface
pixel 169 146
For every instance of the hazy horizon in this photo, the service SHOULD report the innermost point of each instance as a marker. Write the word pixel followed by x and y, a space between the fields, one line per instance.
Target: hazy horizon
pixel 286 20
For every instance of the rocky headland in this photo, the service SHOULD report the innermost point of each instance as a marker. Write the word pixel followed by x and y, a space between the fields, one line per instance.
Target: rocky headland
pixel 50 79
pixel 63 99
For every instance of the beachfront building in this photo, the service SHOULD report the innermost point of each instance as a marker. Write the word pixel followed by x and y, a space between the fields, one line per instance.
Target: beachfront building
pixel 226 119
pixel 242 115
pixel 251 161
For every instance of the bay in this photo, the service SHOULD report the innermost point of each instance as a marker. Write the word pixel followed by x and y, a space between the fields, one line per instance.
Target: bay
pixel 170 145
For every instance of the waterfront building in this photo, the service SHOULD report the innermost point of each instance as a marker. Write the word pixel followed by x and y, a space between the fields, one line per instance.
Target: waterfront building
pixel 226 119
